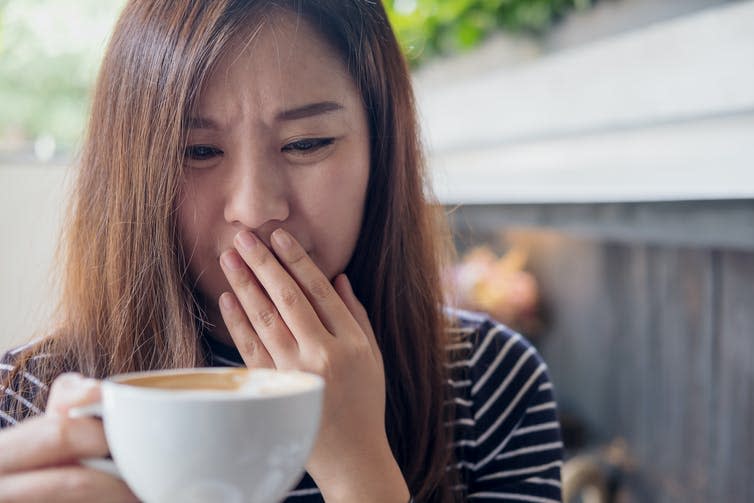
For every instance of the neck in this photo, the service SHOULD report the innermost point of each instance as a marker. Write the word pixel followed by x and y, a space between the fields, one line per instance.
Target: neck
pixel 217 329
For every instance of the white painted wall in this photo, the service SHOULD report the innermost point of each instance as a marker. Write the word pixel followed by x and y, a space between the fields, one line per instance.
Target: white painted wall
pixel 31 203
pixel 661 112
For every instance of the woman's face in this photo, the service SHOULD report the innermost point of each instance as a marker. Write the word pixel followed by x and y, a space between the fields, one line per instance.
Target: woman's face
pixel 280 139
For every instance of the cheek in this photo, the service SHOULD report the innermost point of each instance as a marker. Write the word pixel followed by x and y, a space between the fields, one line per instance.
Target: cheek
pixel 335 216
pixel 188 222
pixel 203 268
pixel 193 228
pixel 198 205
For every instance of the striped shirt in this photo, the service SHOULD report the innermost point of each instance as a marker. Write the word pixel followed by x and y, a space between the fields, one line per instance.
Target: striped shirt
pixel 506 435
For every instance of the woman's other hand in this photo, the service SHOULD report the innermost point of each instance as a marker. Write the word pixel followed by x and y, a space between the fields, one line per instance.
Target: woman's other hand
pixel 285 313
pixel 39 457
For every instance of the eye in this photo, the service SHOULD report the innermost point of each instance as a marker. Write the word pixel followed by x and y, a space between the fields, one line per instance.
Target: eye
pixel 201 152
pixel 307 145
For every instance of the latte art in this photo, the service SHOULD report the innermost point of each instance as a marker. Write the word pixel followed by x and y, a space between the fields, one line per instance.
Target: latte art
pixel 254 382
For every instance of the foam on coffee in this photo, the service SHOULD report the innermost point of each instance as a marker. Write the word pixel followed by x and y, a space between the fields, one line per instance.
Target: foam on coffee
pixel 258 382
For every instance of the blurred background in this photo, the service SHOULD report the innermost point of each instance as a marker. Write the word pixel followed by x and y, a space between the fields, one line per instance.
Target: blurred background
pixel 596 160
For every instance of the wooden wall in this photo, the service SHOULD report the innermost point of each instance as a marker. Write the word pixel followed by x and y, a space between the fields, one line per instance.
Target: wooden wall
pixel 648 341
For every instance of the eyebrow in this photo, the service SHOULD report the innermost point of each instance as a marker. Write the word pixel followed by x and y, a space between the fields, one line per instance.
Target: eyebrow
pixel 302 112
pixel 202 123
pixel 309 110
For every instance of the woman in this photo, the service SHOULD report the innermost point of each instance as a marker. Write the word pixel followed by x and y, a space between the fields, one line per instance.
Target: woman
pixel 251 192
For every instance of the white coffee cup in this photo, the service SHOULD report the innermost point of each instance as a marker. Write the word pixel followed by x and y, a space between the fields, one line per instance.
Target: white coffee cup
pixel 209 435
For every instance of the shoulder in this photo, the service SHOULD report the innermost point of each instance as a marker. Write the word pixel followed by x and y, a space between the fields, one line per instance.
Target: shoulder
pixel 498 372
pixel 506 426
pixel 19 384
pixel 490 349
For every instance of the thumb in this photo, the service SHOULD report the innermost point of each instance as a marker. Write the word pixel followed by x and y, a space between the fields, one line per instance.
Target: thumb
pixel 71 390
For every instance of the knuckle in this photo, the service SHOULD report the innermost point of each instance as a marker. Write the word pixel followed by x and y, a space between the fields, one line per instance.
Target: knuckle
pixel 235 320
pixel 261 257
pixel 321 289
pixel 360 355
pixel 243 278
pixel 236 323
pixel 248 347
pixel 289 296
pixel 357 352
pixel 326 365
pixel 284 342
pixel 297 256
pixel 266 317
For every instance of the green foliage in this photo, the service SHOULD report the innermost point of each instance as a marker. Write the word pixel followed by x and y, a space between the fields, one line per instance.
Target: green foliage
pixel 50 49
pixel 427 28
pixel 49 53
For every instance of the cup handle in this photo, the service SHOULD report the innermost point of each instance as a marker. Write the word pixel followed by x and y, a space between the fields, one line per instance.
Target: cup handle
pixel 101 464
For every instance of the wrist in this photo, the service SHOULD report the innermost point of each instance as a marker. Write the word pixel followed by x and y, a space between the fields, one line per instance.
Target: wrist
pixel 375 478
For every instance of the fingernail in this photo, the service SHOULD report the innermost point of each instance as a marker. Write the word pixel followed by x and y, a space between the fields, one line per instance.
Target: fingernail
pixel 342 278
pixel 231 261
pixel 247 240
pixel 81 389
pixel 348 283
pixel 282 238
pixel 88 383
pixel 226 302
pixel 71 380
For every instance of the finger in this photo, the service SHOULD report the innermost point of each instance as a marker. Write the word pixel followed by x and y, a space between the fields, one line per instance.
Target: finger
pixel 259 309
pixel 64 484
pixel 50 440
pixel 247 341
pixel 71 390
pixel 317 287
pixel 285 293
pixel 357 310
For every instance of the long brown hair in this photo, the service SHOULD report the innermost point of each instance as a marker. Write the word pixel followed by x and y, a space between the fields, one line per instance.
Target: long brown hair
pixel 127 302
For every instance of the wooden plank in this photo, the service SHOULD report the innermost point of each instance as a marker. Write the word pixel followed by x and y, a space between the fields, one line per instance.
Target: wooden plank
pixel 726 224
pixel 568 271
pixel 628 282
pixel 733 436
pixel 630 350
pixel 654 344
pixel 680 377
pixel 658 353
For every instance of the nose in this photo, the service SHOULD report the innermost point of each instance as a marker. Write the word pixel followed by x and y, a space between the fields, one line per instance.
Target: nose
pixel 257 194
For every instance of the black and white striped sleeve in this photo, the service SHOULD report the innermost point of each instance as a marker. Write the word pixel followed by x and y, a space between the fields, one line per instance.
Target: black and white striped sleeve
pixel 518 452
pixel 17 392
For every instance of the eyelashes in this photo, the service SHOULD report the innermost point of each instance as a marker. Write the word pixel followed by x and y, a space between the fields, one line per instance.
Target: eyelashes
pixel 300 149
pixel 201 152
pixel 307 145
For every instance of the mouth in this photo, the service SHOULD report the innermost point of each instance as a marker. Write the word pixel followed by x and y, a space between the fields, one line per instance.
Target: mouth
pixel 308 252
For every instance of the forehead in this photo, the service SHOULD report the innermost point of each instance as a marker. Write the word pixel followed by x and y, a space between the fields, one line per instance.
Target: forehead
pixel 282 62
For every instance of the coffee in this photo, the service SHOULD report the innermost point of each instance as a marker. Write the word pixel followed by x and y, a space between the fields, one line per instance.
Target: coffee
pixel 231 380
pixel 260 382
